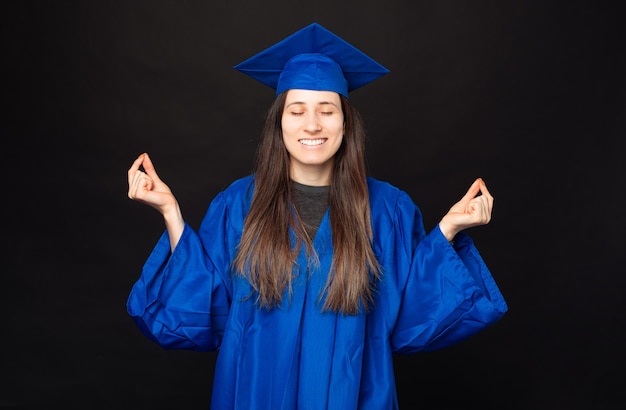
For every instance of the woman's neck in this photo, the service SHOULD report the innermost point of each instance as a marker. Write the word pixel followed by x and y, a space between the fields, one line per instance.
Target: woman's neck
pixel 312 175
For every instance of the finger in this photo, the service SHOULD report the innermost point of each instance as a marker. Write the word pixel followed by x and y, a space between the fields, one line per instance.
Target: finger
pixel 134 172
pixel 139 185
pixel 484 190
pixel 480 209
pixel 473 190
pixel 149 168
pixel 487 195
pixel 136 164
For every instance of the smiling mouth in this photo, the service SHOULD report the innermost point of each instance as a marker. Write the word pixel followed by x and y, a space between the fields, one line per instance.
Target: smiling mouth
pixel 311 143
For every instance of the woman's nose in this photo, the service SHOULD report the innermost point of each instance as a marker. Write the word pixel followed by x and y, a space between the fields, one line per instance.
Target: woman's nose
pixel 312 123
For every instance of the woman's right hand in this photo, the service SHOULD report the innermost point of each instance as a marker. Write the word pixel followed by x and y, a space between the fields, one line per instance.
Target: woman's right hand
pixel 147 188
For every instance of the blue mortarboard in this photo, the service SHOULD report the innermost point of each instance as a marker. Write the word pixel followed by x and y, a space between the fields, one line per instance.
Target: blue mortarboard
pixel 312 58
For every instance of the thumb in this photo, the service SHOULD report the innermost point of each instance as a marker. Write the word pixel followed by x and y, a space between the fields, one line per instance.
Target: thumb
pixel 148 166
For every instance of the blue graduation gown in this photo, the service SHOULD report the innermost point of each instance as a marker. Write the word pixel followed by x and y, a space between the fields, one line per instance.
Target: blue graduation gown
pixel 432 294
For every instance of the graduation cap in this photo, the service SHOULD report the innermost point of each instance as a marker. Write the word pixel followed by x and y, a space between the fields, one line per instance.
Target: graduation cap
pixel 312 58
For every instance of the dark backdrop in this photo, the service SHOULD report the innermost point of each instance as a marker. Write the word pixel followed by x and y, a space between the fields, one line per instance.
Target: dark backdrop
pixel 528 95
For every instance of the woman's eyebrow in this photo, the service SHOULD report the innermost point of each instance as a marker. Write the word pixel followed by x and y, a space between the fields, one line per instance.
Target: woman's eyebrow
pixel 295 103
pixel 318 103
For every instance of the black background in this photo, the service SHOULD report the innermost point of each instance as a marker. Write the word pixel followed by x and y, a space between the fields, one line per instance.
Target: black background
pixel 528 95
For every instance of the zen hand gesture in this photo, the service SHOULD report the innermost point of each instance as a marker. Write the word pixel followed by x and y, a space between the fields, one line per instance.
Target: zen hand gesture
pixel 146 187
pixel 472 210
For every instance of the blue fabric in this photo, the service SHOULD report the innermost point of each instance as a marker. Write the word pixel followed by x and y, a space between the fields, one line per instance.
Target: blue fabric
pixel 312 58
pixel 431 295
pixel 312 71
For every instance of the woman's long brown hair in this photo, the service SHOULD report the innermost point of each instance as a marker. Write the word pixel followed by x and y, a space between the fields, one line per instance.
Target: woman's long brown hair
pixel 265 255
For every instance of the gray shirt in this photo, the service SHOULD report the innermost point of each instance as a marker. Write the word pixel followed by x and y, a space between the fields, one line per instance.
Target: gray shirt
pixel 311 203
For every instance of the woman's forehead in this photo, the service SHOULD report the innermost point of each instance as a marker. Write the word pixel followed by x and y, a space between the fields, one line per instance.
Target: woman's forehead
pixel 312 97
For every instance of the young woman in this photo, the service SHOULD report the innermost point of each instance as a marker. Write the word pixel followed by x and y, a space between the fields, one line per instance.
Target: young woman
pixel 308 275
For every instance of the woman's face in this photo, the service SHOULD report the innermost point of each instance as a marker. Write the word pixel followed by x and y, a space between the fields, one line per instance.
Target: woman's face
pixel 313 128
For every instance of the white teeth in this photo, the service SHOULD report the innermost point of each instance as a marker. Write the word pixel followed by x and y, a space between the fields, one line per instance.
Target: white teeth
pixel 312 142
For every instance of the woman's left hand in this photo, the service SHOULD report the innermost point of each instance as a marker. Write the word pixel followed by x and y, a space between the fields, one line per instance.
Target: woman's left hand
pixel 473 209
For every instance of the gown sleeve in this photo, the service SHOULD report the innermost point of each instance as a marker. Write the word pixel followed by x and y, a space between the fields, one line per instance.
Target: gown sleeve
pixel 182 298
pixel 448 294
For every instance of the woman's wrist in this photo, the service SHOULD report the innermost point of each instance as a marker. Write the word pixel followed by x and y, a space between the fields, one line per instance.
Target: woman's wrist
pixel 447 232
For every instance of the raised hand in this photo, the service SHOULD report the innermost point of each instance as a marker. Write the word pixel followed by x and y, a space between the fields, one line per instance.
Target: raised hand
pixel 473 209
pixel 147 188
